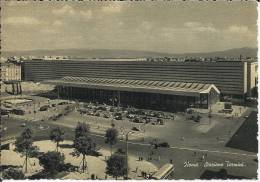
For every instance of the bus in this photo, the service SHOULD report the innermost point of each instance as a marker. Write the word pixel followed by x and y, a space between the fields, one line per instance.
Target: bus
pixel 163 172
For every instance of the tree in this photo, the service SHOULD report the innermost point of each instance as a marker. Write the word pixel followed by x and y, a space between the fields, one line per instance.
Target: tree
pixel 24 145
pixel 52 162
pixel 116 166
pixel 12 173
pixel 56 136
pixel 83 143
pixel 111 137
pixel 82 129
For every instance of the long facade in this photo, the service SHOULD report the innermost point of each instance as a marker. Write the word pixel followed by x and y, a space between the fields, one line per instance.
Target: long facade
pixel 230 77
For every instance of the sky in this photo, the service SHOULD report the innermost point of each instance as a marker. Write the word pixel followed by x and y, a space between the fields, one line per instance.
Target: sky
pixel 172 27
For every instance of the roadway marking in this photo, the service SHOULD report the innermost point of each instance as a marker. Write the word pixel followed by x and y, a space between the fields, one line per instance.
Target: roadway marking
pixel 190 149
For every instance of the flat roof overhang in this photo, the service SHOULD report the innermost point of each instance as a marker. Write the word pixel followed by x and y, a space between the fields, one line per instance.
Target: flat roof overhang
pixel 175 88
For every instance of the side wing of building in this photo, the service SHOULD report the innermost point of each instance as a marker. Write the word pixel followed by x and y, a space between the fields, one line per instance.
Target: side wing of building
pixel 230 77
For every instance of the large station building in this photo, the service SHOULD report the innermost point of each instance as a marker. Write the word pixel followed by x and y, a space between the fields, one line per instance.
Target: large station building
pixel 160 85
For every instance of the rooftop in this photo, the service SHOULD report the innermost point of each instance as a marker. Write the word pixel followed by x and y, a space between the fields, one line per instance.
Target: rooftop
pixel 162 87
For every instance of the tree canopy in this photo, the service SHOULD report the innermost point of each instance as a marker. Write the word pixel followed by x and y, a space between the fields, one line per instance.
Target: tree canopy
pixel 82 129
pixel 116 165
pixel 111 136
pixel 56 135
pixel 52 162
pixel 12 173
pixel 24 145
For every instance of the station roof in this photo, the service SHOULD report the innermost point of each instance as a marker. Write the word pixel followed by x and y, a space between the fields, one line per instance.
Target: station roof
pixel 161 87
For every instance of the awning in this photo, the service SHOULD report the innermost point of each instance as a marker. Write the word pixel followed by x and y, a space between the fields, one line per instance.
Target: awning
pixel 170 88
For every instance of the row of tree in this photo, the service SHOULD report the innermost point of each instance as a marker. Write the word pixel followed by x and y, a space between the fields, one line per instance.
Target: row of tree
pixel 53 161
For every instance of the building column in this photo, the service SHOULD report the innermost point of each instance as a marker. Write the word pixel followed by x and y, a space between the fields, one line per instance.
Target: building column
pixel 118 98
pixel 20 88
pixel 58 92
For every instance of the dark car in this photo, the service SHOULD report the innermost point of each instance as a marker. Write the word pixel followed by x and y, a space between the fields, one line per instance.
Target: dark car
pixel 118 116
pixel 62 103
pixel 135 129
pixel 163 144
pixel 18 111
pixel 146 119
pixel 4 112
pixel 137 120
pixel 160 121
pixel 44 108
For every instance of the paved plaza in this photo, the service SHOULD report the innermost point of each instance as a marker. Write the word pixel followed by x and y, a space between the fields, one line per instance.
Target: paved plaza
pixel 190 143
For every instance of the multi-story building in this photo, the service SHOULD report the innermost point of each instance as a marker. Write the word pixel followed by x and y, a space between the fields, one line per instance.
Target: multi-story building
pixel 10 72
pixel 11 75
pixel 192 82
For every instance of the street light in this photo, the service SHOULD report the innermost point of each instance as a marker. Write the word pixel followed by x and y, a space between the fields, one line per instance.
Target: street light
pixel 126 140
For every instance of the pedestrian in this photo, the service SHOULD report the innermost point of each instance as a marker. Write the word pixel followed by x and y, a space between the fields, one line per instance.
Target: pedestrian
pixel 142 173
pixel 145 175
pixel 136 169
pixel 148 176
pixel 171 161
pixel 194 153
pixel 159 157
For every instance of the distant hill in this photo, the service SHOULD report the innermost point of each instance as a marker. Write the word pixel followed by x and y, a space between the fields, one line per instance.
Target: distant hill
pixel 106 53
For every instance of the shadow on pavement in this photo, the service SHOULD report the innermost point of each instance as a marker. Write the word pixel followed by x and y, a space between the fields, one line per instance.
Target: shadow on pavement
pixel 245 137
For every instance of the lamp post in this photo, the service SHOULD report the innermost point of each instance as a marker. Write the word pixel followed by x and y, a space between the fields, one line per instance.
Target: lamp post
pixel 126 151
pixel 209 101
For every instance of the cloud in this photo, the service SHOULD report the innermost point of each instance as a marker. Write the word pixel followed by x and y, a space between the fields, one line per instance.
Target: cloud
pixel 57 23
pixel 64 10
pixel 238 29
pixel 146 25
pixel 200 27
pixel 17 3
pixel 112 8
pixel 23 20
pixel 86 14
pixel 48 30
pixel 67 10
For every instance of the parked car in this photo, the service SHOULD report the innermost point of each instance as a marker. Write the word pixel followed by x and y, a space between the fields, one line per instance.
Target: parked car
pixel 106 115
pixel 118 116
pixel 146 119
pixel 163 144
pixel 102 108
pixel 97 114
pixel 130 116
pixel 137 120
pixel 18 111
pixel 160 121
pixel 135 129
pixel 23 125
pixel 44 108
pixel 62 103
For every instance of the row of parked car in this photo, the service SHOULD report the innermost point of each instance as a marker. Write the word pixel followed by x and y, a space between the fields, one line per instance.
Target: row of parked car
pixel 46 107
pixel 118 113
